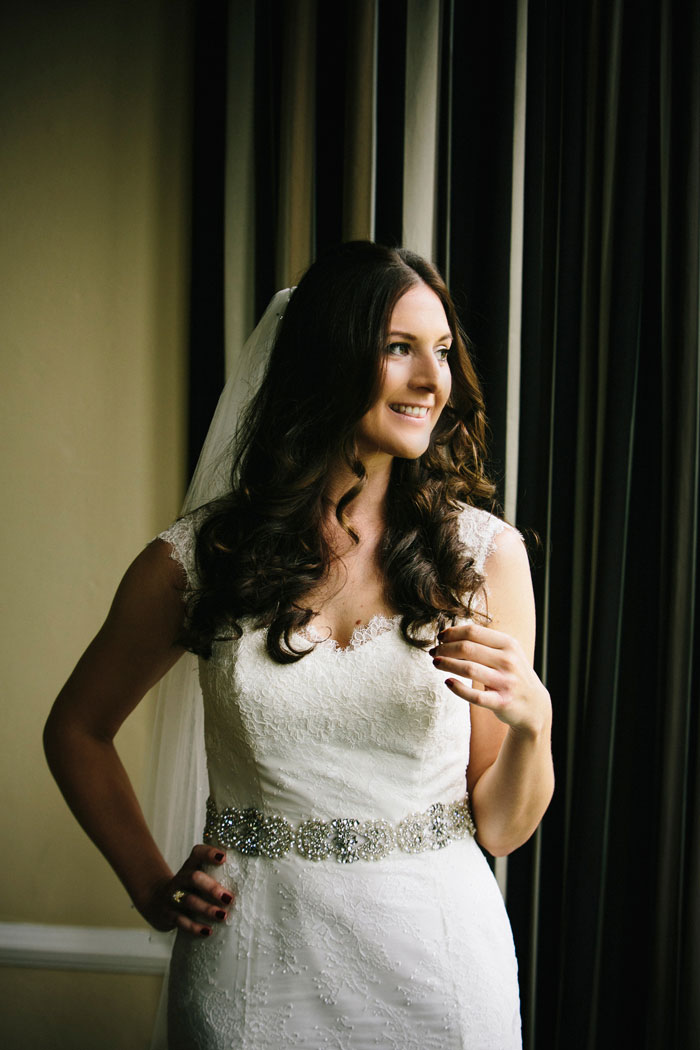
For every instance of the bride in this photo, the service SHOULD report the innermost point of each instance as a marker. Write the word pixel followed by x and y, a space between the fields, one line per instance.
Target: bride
pixel 365 630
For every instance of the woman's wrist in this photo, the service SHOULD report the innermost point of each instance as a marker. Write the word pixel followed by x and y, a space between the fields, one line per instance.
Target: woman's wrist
pixel 538 727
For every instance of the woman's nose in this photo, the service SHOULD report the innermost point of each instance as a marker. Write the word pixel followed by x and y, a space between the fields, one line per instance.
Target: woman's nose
pixel 426 371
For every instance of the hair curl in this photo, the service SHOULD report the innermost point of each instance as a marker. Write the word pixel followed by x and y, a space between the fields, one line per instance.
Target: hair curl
pixel 261 549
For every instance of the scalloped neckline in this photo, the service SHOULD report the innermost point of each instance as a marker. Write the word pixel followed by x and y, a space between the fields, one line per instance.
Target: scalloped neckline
pixel 362 634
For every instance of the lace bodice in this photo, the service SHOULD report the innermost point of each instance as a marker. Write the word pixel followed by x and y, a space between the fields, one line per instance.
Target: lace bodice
pixel 369 729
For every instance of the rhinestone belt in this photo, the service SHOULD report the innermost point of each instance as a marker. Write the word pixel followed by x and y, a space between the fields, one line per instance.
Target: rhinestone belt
pixel 346 839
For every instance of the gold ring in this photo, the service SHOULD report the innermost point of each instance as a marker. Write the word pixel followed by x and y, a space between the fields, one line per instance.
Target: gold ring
pixel 177 897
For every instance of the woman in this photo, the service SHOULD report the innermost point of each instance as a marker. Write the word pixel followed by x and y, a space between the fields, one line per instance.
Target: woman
pixel 365 634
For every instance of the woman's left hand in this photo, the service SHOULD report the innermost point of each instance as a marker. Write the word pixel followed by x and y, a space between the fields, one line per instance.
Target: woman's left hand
pixel 496 661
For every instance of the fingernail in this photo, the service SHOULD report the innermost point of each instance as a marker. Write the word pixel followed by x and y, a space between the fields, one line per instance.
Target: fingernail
pixel 204 932
pixel 226 898
pixel 220 915
pixel 437 660
pixel 450 683
pixel 431 652
pixel 218 856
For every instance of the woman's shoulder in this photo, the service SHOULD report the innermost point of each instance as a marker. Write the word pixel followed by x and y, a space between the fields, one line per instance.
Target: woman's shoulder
pixel 181 540
pixel 482 533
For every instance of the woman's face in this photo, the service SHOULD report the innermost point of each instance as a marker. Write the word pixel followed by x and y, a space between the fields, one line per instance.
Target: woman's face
pixel 416 382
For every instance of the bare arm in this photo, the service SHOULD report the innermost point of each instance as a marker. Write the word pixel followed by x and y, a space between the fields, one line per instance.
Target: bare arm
pixel 510 775
pixel 136 646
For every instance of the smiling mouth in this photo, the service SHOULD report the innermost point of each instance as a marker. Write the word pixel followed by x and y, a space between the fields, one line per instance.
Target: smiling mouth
pixel 415 411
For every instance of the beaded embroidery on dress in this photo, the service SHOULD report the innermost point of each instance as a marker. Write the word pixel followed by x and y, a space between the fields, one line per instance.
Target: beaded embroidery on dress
pixel 402 950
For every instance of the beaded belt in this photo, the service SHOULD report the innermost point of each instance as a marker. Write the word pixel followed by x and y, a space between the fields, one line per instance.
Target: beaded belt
pixel 346 839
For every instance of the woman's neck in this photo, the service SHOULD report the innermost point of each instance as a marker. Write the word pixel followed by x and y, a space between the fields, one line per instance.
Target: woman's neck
pixel 369 505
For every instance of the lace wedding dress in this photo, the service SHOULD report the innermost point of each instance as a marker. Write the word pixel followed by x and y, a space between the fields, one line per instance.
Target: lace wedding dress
pixel 365 914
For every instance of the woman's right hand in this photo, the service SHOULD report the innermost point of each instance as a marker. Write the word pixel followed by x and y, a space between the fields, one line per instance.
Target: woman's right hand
pixel 190 900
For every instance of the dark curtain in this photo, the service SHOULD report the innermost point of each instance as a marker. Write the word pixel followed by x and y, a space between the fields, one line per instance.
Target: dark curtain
pixel 268 44
pixel 206 356
pixel 476 153
pixel 605 902
pixel 391 88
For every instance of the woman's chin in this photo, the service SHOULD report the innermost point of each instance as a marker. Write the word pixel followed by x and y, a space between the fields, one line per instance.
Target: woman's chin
pixel 391 450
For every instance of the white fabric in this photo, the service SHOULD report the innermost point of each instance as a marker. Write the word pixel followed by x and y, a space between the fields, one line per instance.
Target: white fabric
pixel 412 952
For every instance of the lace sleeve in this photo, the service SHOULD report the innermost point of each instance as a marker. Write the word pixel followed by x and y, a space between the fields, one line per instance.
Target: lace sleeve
pixel 478 532
pixel 181 538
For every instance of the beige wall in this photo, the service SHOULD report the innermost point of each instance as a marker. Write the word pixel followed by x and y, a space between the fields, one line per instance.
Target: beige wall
pixel 47 1010
pixel 93 284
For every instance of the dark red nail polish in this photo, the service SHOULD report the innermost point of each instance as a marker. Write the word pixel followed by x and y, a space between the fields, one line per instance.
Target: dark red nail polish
pixel 220 915
pixel 218 856
pixel 226 898
pixel 204 932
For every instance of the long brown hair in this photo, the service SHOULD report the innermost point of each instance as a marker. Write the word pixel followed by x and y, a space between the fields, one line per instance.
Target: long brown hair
pixel 261 548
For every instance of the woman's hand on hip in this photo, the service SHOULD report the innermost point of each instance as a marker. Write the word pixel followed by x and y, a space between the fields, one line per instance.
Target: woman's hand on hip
pixel 191 900
pixel 510 687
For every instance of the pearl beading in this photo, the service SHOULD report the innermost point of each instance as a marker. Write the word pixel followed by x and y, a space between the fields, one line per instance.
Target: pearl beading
pixel 346 839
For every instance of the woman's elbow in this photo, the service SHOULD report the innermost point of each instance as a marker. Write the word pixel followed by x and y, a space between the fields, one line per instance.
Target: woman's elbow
pixel 502 845
pixel 502 838
pixel 55 737
pixel 65 734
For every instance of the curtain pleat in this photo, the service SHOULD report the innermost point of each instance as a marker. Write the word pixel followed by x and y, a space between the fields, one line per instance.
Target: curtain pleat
pixel 443 212
pixel 298 111
pixel 676 928
pixel 206 368
pixel 479 47
pixel 332 112
pixel 239 178
pixel 360 139
pixel 390 120
pixel 421 120
pixel 531 890
pixel 268 46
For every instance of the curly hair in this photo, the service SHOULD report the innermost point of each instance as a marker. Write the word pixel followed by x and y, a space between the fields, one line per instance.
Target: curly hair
pixel 261 549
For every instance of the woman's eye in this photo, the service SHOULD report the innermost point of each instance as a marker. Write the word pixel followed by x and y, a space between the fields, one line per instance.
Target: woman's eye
pixel 403 349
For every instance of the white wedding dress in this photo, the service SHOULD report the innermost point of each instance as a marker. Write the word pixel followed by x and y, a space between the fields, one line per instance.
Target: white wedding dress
pixel 406 951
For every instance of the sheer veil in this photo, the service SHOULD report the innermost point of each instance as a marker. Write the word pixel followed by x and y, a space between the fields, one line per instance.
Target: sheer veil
pixel 176 782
